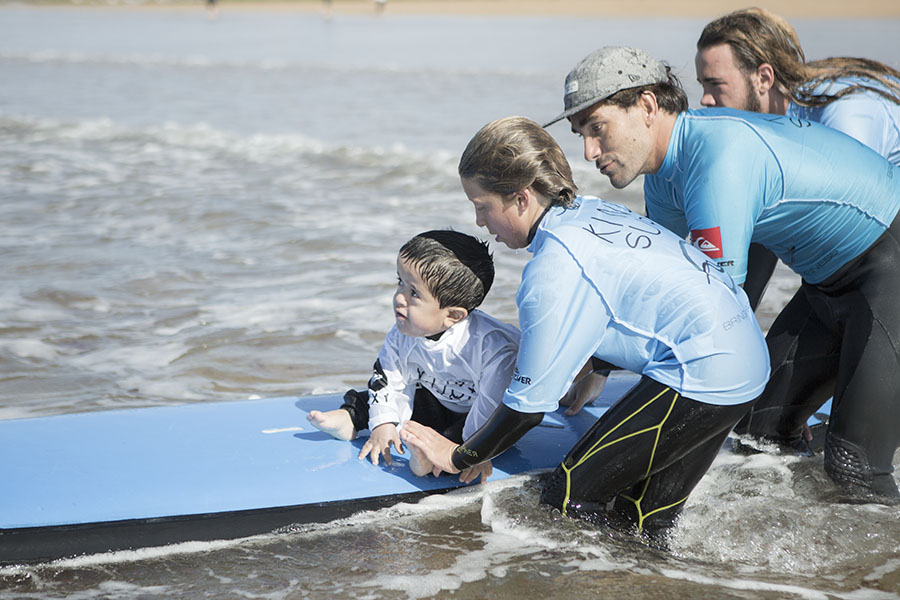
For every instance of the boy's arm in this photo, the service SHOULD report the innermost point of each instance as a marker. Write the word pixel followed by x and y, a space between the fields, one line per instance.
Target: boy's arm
pixel 389 401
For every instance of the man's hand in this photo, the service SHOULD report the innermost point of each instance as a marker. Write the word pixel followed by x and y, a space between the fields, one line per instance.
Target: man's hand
pixel 584 390
pixel 483 470
pixel 435 447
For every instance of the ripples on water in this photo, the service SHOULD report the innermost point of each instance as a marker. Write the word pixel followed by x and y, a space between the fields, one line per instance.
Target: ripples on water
pixel 198 211
pixel 772 535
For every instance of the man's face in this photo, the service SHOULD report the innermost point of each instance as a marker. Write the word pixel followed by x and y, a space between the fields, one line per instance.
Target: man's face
pixel 618 140
pixel 724 84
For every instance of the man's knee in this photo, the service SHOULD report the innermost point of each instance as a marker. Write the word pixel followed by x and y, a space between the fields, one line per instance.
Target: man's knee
pixel 558 493
pixel 848 465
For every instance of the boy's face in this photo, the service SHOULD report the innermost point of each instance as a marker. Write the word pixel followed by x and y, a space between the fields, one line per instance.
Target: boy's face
pixel 417 312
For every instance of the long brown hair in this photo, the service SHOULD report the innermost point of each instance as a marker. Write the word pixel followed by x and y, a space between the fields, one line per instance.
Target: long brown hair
pixel 511 154
pixel 757 36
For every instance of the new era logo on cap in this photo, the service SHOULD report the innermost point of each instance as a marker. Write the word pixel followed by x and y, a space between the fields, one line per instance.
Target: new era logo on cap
pixel 606 71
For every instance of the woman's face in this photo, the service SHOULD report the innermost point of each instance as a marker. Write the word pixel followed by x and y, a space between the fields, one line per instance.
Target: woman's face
pixel 506 219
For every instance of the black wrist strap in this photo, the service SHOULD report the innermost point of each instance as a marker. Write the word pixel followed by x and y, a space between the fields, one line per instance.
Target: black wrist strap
pixel 502 430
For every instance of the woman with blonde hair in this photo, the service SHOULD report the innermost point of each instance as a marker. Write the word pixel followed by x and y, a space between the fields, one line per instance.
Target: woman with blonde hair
pixel 608 286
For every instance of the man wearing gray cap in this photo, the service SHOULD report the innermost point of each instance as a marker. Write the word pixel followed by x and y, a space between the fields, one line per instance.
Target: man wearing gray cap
pixel 825 204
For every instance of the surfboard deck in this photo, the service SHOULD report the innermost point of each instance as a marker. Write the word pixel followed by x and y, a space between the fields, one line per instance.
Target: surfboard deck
pixel 95 482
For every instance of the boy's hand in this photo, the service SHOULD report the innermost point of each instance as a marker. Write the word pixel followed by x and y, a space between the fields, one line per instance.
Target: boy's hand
pixel 379 443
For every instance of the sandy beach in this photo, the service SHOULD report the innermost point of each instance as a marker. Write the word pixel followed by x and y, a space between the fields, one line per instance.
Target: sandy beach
pixel 585 8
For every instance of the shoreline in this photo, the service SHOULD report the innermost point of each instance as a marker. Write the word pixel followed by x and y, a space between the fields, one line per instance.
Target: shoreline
pixel 527 8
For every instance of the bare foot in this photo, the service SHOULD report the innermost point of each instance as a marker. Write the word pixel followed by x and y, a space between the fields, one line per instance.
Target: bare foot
pixel 418 462
pixel 336 423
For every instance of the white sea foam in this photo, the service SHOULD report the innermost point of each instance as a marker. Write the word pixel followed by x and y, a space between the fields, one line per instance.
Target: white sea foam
pixel 38 315
pixel 890 566
pixel 771 514
pixel 181 142
pixel 147 357
pixel 124 556
pixel 182 390
pixel 202 62
pixel 29 348
pixel 14 412
pixel 762 586
pixel 505 541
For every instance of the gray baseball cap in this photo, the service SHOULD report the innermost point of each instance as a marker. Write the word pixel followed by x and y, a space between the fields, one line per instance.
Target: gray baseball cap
pixel 606 71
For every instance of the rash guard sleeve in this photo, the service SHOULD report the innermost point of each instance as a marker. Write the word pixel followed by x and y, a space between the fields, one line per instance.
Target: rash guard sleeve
pixel 503 429
pixel 563 319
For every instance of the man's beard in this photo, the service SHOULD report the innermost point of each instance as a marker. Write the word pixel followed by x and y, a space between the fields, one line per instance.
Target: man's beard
pixel 751 100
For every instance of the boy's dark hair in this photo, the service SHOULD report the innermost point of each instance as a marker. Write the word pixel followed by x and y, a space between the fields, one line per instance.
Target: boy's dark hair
pixel 457 268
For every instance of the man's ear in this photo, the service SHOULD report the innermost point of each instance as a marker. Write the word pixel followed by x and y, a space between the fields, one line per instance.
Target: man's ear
pixel 455 314
pixel 648 104
pixel 765 78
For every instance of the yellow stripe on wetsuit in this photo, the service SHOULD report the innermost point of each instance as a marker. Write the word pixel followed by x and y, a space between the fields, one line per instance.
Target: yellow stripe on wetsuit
pixel 568 467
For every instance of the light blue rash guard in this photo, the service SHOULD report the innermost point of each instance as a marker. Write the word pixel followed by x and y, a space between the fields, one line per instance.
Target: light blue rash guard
pixel 606 282
pixel 815 197
pixel 865 115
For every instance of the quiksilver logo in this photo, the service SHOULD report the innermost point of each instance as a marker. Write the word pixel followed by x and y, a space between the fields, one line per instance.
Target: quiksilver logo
pixel 521 378
pixel 707 246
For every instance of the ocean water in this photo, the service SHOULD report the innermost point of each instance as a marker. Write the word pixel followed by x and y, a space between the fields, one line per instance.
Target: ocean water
pixel 200 210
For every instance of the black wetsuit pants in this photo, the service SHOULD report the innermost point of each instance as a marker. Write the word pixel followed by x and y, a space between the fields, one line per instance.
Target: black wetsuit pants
pixel 427 410
pixel 639 462
pixel 841 338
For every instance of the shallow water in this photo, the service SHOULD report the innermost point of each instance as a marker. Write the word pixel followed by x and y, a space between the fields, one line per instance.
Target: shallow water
pixel 201 210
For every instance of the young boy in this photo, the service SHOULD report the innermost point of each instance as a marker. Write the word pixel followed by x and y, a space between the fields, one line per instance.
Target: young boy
pixel 443 364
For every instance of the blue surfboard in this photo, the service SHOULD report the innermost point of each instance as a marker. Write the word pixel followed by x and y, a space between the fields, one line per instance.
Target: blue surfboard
pixel 122 479
pixel 95 482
